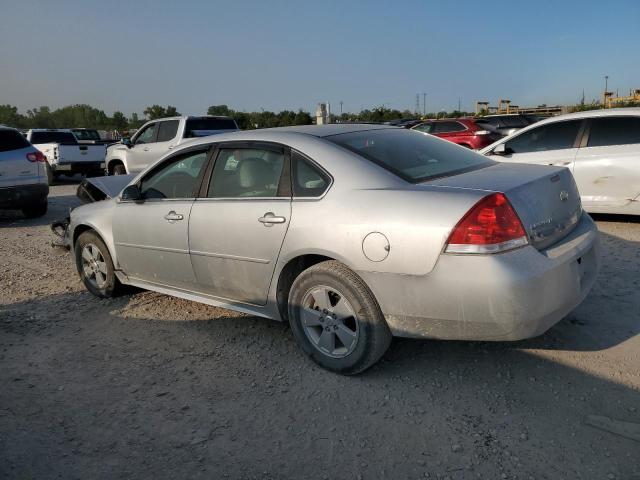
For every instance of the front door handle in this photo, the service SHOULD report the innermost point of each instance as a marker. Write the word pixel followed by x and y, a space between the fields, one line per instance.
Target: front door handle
pixel 269 219
pixel 146 149
pixel 173 216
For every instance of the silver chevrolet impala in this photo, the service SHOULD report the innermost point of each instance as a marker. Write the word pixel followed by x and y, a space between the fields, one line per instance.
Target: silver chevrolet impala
pixel 351 233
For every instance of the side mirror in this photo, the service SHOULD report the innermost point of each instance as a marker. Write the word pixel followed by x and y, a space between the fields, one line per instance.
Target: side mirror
pixel 126 141
pixel 502 150
pixel 131 193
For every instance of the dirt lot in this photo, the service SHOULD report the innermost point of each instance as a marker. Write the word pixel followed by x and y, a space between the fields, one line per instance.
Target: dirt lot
pixel 147 386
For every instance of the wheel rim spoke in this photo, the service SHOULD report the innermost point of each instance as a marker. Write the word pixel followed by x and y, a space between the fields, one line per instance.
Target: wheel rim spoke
pixel 346 336
pixel 102 266
pixel 86 254
pixel 87 271
pixel 100 278
pixel 321 298
pixel 342 309
pixel 95 252
pixel 311 318
pixel 327 341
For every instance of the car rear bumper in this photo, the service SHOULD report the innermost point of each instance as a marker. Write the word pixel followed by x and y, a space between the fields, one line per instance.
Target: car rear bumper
pixel 21 196
pixel 509 296
pixel 77 167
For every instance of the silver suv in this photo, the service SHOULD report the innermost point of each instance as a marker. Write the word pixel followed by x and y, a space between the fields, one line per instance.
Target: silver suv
pixel 23 177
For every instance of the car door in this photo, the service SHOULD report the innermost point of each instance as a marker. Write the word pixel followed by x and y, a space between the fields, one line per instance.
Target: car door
pixel 141 154
pixel 237 228
pixel 553 143
pixel 166 139
pixel 452 131
pixel 607 167
pixel 151 235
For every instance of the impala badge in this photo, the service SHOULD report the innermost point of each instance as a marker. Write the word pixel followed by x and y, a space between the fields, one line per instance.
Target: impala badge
pixel 564 195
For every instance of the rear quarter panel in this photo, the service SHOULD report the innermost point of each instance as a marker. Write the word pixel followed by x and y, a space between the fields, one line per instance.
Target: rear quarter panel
pixel 416 222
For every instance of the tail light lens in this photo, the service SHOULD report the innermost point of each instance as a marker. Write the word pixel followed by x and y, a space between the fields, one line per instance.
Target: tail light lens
pixel 491 226
pixel 36 157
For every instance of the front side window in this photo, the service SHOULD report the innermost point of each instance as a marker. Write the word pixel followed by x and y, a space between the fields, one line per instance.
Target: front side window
pixel 167 130
pixel 148 135
pixel 246 172
pixel 447 127
pixel 614 131
pixel 308 179
pixel 553 136
pixel 411 156
pixel 175 178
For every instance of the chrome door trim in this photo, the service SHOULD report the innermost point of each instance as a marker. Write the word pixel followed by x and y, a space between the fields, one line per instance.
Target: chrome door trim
pixel 230 257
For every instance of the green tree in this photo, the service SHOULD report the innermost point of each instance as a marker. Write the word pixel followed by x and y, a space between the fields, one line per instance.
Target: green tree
pixel 156 111
pixel 9 116
pixel 119 121
pixel 220 110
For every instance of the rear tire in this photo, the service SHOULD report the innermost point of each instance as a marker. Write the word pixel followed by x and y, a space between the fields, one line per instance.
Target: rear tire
pixel 37 210
pixel 336 319
pixel 95 266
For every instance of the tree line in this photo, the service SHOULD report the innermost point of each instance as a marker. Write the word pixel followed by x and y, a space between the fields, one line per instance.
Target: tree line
pixel 86 116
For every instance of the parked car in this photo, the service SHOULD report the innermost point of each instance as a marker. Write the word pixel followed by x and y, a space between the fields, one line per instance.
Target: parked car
pixel 351 233
pixel 600 147
pixel 23 179
pixel 463 131
pixel 90 136
pixel 506 124
pixel 404 122
pixel 65 155
pixel 158 137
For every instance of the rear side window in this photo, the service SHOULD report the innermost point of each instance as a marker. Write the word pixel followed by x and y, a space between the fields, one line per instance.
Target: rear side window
pixel 446 127
pixel 553 136
pixel 425 127
pixel 63 138
pixel 167 130
pixel 308 179
pixel 12 140
pixel 614 131
pixel 410 155
pixel 201 127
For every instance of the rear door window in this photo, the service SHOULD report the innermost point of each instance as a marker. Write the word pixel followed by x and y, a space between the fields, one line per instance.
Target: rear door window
pixel 12 140
pixel 608 131
pixel 167 130
pixel 553 136
pixel 447 127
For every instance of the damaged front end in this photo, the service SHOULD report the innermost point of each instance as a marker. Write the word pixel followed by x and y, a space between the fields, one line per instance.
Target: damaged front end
pixel 90 190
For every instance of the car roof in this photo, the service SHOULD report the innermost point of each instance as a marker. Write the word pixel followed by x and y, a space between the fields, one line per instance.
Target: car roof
pixel 609 112
pixel 331 129
pixel 50 130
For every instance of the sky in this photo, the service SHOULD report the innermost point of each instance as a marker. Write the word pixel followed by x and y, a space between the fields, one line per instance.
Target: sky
pixel 272 55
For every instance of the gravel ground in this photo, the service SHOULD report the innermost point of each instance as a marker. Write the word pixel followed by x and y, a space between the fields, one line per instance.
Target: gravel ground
pixel 148 386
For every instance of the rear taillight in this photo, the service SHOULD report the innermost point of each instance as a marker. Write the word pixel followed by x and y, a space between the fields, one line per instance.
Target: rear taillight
pixel 36 157
pixel 491 226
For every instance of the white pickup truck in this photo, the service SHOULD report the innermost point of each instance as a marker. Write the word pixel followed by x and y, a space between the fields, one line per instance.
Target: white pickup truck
pixel 157 137
pixel 65 155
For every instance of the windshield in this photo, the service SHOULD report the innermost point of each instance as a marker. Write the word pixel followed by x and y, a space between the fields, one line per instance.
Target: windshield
pixel 63 138
pixel 201 127
pixel 86 134
pixel 413 156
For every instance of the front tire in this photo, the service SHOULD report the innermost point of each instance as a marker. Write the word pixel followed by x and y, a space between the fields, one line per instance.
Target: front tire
pixel 95 266
pixel 336 319
pixel 49 173
pixel 119 170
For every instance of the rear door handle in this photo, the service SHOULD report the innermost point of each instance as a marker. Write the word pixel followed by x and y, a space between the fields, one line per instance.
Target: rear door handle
pixel 269 219
pixel 173 216
pixel 146 149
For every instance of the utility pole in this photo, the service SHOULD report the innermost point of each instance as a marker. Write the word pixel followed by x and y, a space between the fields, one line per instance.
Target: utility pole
pixel 459 105
pixel 341 102
pixel 606 89
pixel 417 104
pixel 424 104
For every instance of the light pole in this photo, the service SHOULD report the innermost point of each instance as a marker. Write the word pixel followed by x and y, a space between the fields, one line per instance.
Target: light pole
pixel 424 104
pixel 606 89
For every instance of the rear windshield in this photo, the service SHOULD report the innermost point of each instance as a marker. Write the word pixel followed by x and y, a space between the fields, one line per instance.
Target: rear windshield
pixel 86 134
pixel 413 156
pixel 12 140
pixel 201 127
pixel 63 138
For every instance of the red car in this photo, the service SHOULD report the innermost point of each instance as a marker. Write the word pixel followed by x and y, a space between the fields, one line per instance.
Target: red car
pixel 463 131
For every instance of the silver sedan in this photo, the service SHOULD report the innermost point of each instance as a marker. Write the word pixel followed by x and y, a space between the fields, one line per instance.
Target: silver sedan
pixel 351 233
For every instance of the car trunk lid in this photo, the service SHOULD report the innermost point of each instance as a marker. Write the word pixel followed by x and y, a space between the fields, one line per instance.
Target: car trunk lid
pixel 545 198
